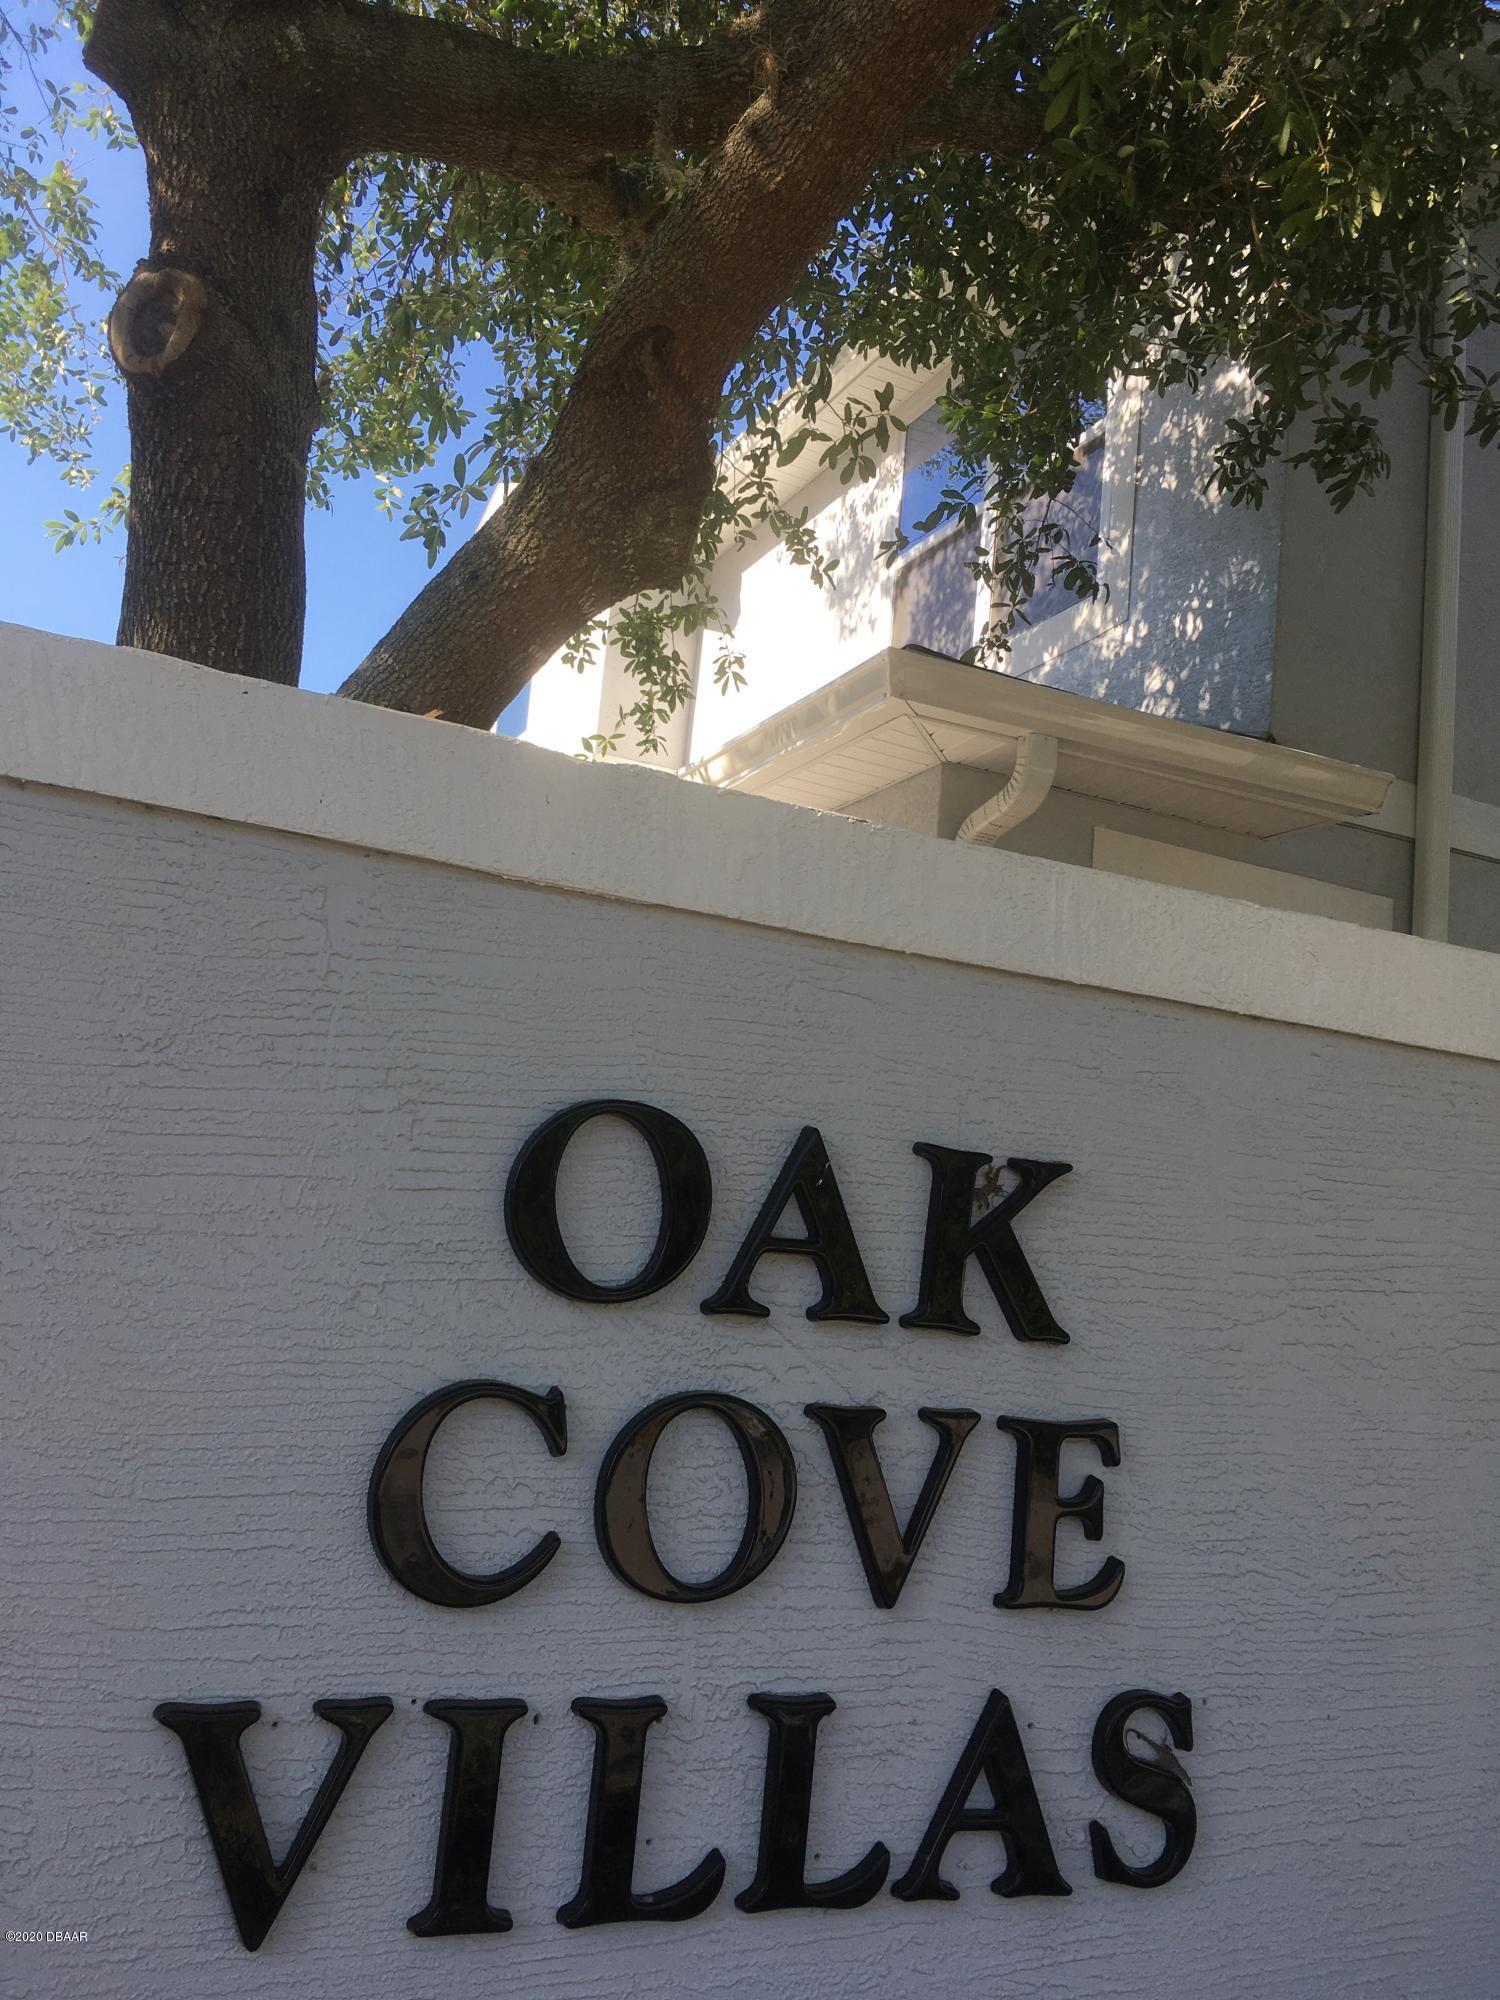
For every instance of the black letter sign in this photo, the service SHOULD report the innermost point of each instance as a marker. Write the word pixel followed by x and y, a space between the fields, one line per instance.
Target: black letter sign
pixel 807 1178
pixel 398 1516
pixel 531 1201
pixel 1039 1507
pixel 953 1237
pixel 459 1905
pixel 623 1525
pixel 886 1553
pixel 781 1872
pixel 1155 1785
pixel 605 1894
pixel 993 1753
pixel 210 1733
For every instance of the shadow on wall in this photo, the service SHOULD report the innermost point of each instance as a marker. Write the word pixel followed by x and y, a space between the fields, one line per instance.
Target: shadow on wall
pixel 927 598
pixel 936 600
pixel 1189 628
pixel 852 522
pixel 1204 657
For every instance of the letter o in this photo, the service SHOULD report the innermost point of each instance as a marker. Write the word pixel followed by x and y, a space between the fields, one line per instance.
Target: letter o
pixel 531 1201
pixel 622 1523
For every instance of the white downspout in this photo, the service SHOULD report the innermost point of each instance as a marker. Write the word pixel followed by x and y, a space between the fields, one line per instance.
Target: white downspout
pixel 1030 782
pixel 1433 853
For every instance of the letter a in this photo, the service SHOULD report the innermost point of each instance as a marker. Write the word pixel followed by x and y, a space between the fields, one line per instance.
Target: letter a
pixel 993 1753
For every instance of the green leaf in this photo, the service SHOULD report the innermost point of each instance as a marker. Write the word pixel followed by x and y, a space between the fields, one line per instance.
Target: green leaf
pixel 1057 110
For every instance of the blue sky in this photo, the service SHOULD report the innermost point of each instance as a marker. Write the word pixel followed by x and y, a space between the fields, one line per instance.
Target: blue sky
pixel 360 574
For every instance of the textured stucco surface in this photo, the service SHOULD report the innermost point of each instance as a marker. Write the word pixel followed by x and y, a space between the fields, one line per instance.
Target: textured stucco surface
pixel 1349 605
pixel 1476 766
pixel 260 1095
pixel 940 800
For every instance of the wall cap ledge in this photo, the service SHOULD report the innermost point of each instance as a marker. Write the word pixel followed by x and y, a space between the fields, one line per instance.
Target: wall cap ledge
pixel 91 718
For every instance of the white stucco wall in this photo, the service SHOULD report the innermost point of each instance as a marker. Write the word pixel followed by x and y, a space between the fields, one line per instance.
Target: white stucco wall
pixel 274 1033
pixel 563 705
pixel 797 635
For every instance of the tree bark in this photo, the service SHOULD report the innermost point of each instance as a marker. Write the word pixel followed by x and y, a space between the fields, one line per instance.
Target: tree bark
pixel 238 178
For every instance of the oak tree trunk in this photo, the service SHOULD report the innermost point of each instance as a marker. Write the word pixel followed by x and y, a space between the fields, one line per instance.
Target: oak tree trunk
pixel 220 437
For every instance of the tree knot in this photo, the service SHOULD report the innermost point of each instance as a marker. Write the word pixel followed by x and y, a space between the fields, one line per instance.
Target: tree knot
pixel 153 321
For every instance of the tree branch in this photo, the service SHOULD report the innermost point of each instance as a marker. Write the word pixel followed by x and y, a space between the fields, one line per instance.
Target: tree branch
pixel 431 89
pixel 402 83
pixel 613 503
pixel 976 118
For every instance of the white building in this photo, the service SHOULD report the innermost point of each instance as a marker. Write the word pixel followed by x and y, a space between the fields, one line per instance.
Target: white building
pixel 1288 706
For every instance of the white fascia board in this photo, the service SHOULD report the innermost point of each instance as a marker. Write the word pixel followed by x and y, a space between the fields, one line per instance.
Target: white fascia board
pixel 1205 775
pixel 118 724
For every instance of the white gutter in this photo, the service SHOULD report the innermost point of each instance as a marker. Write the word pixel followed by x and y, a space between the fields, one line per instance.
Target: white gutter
pixel 1030 782
pixel 1433 816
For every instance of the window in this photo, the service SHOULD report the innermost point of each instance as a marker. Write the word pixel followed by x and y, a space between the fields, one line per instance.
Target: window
pixel 937 601
pixel 929 467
